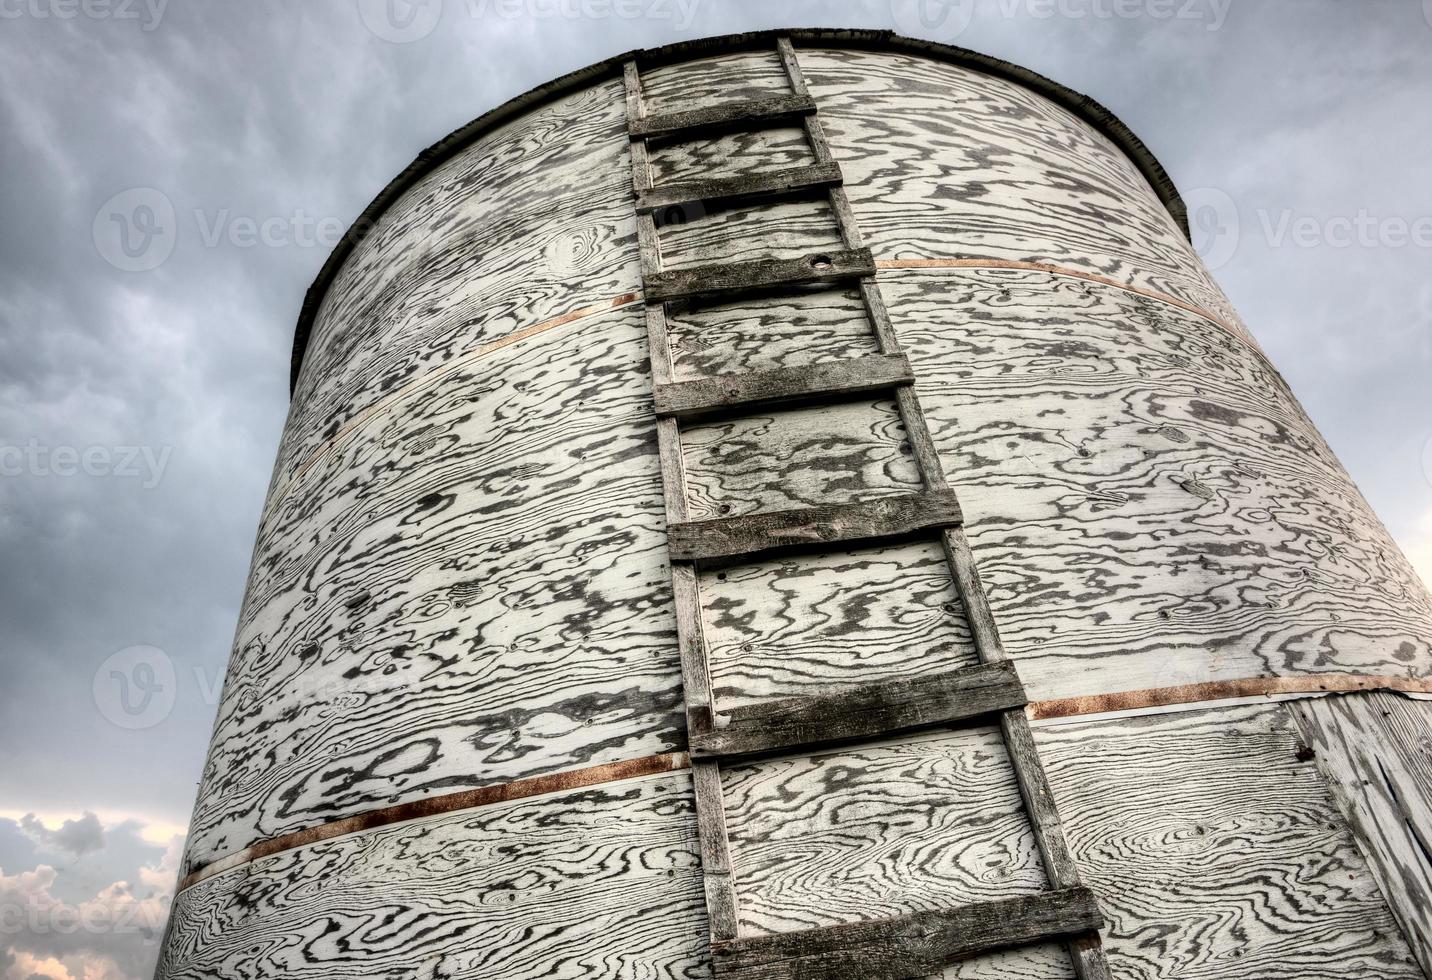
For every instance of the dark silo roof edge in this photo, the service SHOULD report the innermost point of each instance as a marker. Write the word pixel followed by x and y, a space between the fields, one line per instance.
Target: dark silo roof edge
pixel 1087 109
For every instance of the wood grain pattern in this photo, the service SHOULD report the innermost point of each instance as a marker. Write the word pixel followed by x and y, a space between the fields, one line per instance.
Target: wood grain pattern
pixel 753 151
pixel 723 280
pixel 786 627
pixel 1376 751
pixel 900 265
pixel 917 823
pixel 1270 884
pixel 775 232
pixel 800 457
pixel 479 593
pixel 600 883
pixel 941 162
pixel 1041 961
pixel 467 583
pixel 1147 502
pixel 1217 850
pixel 518 789
pixel 826 525
pixel 774 386
pixel 488 243
pixel 894 949
pixel 863 711
pixel 687 123
pixel 715 80
pixel 795 329
pixel 740 188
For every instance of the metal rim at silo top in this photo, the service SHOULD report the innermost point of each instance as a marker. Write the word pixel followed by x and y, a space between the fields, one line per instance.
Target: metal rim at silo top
pixel 1089 110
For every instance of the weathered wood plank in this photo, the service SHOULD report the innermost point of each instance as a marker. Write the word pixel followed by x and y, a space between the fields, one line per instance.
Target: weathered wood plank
pixel 864 711
pixel 1376 751
pixel 475 590
pixel 800 625
pixel 733 115
pixel 648 246
pixel 708 396
pixel 488 244
pixel 720 884
pixel 779 230
pixel 916 822
pixel 815 133
pixel 724 279
pixel 748 188
pixel 750 151
pixel 798 456
pixel 909 946
pixel 1044 819
pixel 786 51
pixel 631 82
pixel 764 332
pixel 1217 850
pixel 879 316
pixel 754 534
pixel 1087 957
pixel 716 79
pixel 1154 507
pixel 523 891
pixel 840 207
pixel 1015 178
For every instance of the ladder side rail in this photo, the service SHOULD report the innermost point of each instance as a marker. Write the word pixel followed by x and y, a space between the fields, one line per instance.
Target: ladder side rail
pixel 1086 952
pixel 715 845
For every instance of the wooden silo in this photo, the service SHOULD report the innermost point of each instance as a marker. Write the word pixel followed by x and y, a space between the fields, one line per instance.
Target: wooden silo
pixel 796 504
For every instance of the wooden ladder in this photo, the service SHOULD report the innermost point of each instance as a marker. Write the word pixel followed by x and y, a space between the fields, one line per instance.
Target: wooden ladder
pixel 907 946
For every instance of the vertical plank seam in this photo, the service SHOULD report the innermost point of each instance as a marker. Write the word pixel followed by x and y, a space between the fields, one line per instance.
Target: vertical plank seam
pixel 1352 813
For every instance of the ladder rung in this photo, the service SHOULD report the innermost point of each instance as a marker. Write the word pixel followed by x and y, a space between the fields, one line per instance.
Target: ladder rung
pixel 745 188
pixel 865 711
pixel 915 945
pixel 757 274
pixel 869 520
pixel 724 392
pixel 778 108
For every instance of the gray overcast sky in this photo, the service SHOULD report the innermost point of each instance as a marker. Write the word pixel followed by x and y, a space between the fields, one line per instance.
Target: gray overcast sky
pixel 1298 129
